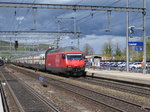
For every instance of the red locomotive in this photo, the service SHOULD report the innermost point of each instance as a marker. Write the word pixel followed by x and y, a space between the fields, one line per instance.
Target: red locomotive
pixel 67 60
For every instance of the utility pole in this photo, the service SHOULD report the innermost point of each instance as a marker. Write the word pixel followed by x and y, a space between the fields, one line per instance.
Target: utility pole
pixel 34 20
pixel 58 38
pixel 127 38
pixel 79 38
pixel 10 44
pixel 26 45
pixel 144 36
pixel 75 27
pixel 75 31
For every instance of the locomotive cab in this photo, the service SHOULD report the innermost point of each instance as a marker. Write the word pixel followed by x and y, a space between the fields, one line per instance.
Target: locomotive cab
pixel 68 61
pixel 75 64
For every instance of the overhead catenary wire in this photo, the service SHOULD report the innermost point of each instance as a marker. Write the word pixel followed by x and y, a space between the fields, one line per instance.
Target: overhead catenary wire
pixel 34 12
pixel 109 21
pixel 79 21
pixel 27 12
pixel 96 12
pixel 131 19
pixel 93 13
pixel 14 17
pixel 79 2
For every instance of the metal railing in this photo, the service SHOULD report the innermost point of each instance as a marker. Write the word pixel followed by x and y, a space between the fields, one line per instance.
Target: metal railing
pixel 134 70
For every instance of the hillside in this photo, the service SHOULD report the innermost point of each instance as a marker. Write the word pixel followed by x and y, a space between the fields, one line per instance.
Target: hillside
pixel 22 49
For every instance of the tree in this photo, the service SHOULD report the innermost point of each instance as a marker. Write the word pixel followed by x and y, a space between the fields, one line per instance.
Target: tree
pixel 123 54
pixel 107 49
pixel 117 53
pixel 88 50
pixel 148 48
pixel 133 55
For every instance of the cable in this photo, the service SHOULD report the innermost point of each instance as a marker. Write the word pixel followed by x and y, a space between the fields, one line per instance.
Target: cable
pixel 115 2
pixel 91 14
pixel 97 12
pixel 79 2
pixel 18 25
pixel 111 25
pixel 131 19
pixel 14 17
pixel 79 21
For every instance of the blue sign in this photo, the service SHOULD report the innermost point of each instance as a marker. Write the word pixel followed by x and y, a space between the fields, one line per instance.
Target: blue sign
pixel 41 79
pixel 137 48
pixel 135 43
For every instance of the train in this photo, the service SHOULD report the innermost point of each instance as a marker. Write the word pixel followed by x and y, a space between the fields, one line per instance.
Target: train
pixel 67 61
pixel 1 62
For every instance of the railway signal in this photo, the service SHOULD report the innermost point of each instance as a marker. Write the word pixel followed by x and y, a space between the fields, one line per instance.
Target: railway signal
pixel 16 44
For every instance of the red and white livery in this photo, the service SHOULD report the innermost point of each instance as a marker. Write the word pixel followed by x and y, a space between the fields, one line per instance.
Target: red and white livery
pixel 67 60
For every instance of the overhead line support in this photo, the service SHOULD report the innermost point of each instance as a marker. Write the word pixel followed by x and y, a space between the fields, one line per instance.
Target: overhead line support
pixel 35 32
pixel 71 7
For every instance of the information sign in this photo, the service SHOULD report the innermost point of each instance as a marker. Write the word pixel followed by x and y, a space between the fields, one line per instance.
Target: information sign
pixel 138 48
pixel 135 43
pixel 41 79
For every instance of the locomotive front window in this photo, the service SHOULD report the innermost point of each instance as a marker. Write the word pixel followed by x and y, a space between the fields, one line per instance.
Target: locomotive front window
pixel 74 56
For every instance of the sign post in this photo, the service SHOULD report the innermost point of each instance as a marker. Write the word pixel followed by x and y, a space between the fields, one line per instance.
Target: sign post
pixel 42 80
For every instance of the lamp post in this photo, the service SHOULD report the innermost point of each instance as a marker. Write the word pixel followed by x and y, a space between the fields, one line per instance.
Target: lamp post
pixel 127 38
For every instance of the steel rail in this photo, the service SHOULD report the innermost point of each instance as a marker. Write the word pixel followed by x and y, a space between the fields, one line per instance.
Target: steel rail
pixel 122 100
pixel 95 100
pixel 111 106
pixel 110 84
pixel 44 100
pixel 37 95
pixel 13 94
pixel 35 76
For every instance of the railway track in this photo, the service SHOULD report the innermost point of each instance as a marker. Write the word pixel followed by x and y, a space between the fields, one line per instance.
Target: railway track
pixel 27 99
pixel 117 104
pixel 124 87
pixel 95 96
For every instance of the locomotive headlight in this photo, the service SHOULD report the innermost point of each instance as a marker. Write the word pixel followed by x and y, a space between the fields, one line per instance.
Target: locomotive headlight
pixel 68 66
pixel 82 66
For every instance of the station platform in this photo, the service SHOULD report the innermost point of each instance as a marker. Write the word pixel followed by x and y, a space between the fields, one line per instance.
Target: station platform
pixel 1 103
pixel 122 76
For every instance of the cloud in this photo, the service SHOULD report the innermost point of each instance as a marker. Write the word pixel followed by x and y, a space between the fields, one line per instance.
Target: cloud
pixel 92 24
pixel 95 41
pixel 1 17
pixel 20 18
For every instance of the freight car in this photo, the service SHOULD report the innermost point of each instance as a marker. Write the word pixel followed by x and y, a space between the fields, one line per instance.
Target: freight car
pixel 68 61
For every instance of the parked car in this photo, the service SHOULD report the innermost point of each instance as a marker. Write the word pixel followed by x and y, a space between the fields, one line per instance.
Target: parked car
pixel 123 64
pixel 135 65
pixel 148 65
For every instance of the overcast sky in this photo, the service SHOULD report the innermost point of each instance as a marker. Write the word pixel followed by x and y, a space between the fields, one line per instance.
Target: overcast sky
pixel 93 24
